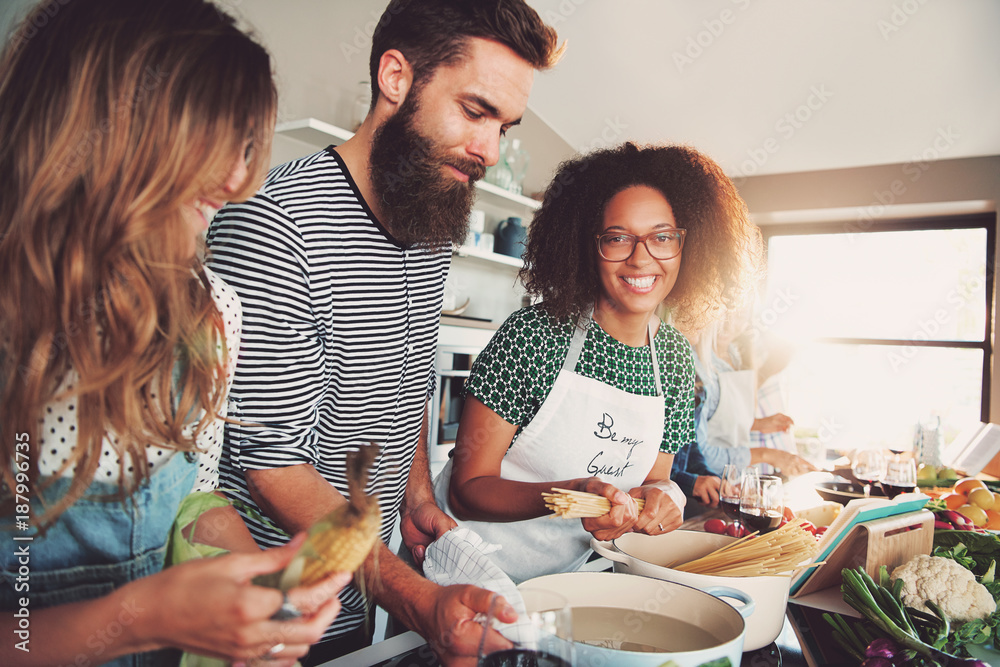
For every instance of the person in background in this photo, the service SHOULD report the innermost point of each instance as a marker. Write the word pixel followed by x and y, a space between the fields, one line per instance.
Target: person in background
pixel 340 261
pixel 692 474
pixel 730 385
pixel 771 427
pixel 125 125
pixel 588 390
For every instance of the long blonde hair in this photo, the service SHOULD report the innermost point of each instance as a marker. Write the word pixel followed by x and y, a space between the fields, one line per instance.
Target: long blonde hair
pixel 114 114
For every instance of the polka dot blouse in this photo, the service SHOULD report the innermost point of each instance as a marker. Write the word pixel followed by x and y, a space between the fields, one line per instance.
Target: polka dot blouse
pixel 516 370
pixel 59 428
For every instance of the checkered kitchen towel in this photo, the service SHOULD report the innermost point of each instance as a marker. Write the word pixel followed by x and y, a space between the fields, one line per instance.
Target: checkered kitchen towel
pixel 460 556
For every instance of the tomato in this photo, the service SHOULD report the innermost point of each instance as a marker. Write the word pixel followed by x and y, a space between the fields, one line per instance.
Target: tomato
pixel 735 530
pixel 788 514
pixel 820 531
pixel 717 526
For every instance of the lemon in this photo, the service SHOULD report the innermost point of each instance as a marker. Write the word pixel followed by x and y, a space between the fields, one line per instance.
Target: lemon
pixel 977 515
pixel 982 498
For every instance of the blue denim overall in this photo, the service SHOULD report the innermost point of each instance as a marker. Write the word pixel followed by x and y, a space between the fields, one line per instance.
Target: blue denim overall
pixel 95 547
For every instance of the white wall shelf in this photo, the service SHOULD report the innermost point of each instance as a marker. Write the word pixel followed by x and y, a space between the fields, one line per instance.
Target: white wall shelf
pixel 320 134
pixel 494 257
pixel 313 131
pixel 493 190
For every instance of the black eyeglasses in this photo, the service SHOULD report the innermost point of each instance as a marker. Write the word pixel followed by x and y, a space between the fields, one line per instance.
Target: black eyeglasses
pixel 618 247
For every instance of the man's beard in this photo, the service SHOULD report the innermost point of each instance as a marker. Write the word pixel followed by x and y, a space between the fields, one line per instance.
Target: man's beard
pixel 422 203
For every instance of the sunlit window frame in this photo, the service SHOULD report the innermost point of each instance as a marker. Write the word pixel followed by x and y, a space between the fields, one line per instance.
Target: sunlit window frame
pixel 985 221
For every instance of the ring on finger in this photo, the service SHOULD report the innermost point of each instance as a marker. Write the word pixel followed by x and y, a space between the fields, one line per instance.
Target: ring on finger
pixel 276 649
pixel 660 526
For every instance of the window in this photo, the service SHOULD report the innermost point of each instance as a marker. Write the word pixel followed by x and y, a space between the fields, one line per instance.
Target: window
pixel 889 326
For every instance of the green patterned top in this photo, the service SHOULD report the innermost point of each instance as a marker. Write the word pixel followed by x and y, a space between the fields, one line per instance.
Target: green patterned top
pixel 515 372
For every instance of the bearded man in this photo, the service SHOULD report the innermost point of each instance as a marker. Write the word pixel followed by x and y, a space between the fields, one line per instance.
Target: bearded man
pixel 340 262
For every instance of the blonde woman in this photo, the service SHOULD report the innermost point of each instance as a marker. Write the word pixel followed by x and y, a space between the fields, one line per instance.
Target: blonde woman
pixel 126 125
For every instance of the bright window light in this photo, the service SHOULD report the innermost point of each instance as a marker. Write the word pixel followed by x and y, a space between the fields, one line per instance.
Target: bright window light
pixel 888 328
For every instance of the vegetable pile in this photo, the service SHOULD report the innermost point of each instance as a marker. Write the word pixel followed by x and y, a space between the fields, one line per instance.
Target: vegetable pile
pixel 973 501
pixel 929 610
pixel 946 518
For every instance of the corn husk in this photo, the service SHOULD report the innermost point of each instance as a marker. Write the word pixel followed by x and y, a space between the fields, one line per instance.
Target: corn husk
pixel 341 540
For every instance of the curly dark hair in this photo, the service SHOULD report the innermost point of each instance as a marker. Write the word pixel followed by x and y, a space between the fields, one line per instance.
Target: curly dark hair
pixel 721 260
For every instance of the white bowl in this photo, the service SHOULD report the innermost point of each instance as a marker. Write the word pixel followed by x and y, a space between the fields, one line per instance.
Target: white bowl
pixel 649 556
pixel 667 610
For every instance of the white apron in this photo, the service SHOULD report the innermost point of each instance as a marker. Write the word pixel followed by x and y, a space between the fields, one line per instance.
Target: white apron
pixel 584 428
pixel 729 425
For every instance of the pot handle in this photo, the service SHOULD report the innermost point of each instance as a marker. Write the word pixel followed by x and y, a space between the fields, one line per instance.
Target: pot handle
pixel 608 550
pixel 724 591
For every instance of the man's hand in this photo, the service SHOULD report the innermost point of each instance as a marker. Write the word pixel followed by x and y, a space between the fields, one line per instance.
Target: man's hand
pixel 450 628
pixel 706 490
pixel 422 525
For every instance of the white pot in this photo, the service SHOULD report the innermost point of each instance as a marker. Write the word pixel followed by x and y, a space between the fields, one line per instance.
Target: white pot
pixel 667 605
pixel 648 556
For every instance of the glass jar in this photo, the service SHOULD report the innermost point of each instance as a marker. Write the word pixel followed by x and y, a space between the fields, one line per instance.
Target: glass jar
pixel 517 162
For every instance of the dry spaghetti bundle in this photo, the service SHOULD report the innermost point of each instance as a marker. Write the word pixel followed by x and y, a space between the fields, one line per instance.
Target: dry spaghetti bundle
pixel 579 504
pixel 781 551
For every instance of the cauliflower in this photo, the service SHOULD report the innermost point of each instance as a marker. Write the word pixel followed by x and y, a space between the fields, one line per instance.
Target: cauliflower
pixel 947 584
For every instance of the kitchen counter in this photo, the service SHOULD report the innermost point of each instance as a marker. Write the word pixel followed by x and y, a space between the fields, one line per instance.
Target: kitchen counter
pixel 788 650
pixel 804 641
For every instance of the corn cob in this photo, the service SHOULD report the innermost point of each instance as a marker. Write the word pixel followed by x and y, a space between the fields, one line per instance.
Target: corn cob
pixel 341 540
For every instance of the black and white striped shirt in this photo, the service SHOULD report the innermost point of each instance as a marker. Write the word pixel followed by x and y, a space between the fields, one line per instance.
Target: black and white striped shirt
pixel 340 326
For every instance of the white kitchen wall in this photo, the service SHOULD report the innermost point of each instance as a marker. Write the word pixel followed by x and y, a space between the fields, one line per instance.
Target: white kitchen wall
pixel 337 35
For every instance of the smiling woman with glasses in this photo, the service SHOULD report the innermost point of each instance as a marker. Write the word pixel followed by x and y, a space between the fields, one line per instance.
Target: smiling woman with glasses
pixel 588 390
